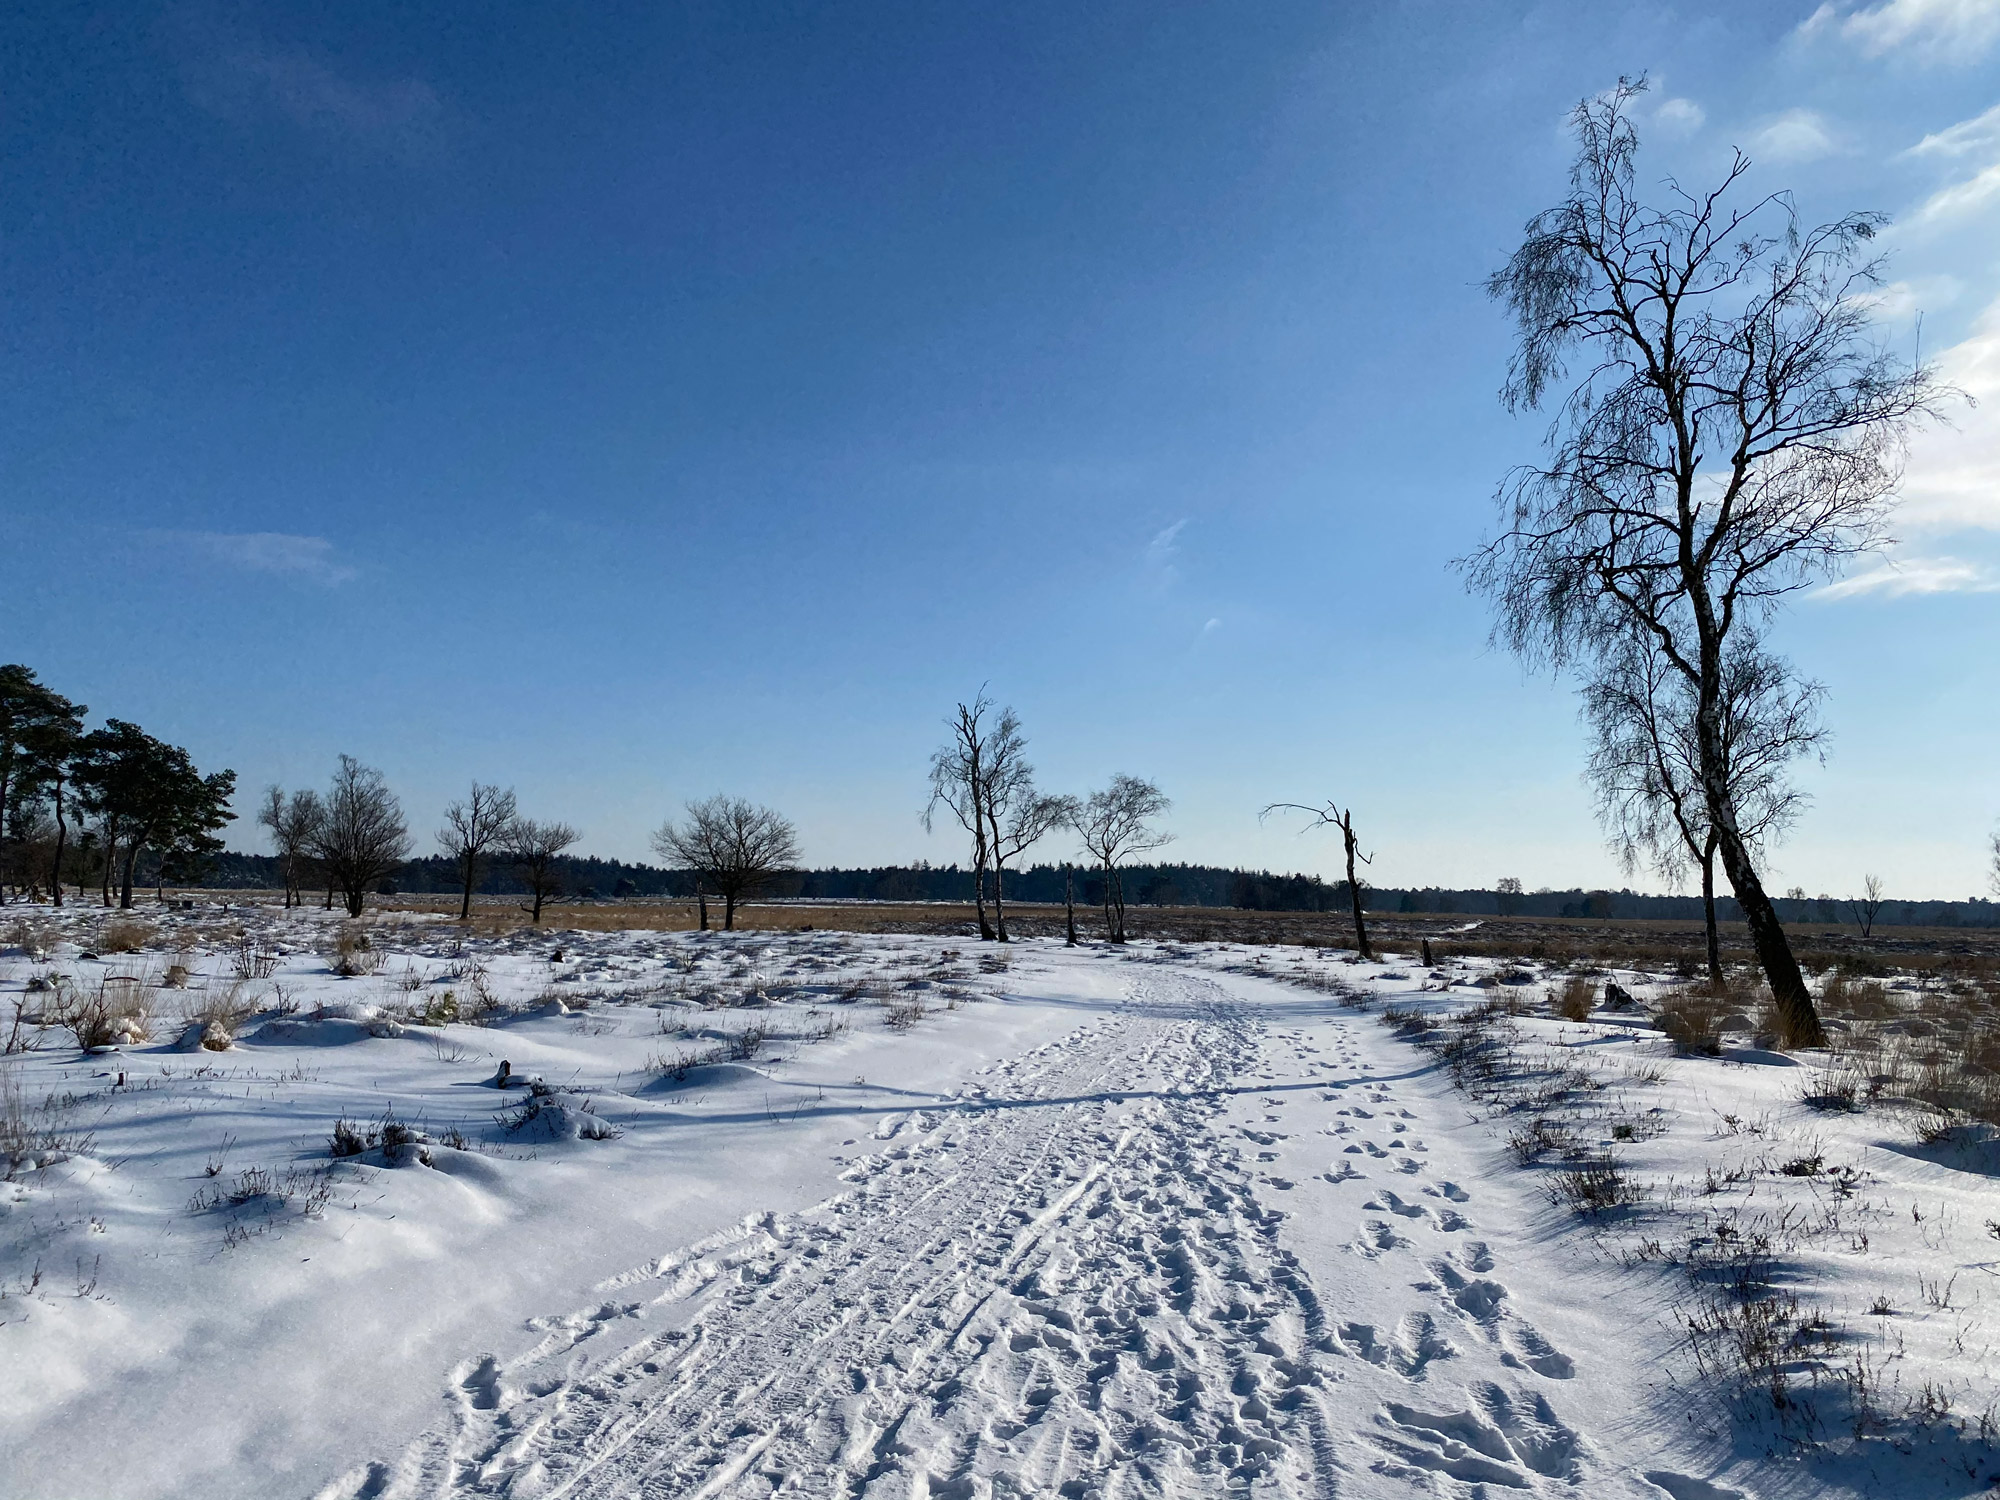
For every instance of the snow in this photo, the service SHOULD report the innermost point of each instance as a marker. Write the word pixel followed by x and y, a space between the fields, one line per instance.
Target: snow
pixel 826 1213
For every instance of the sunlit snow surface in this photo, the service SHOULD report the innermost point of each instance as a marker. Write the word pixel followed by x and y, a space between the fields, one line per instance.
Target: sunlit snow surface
pixel 963 1222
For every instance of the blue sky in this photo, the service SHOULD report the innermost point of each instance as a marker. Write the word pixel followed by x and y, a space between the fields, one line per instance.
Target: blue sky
pixel 633 401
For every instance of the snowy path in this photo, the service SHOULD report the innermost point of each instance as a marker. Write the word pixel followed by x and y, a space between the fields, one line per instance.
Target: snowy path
pixel 1070 1284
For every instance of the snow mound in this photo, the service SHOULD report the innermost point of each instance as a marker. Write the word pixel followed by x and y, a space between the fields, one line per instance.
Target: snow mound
pixel 549 1115
pixel 329 1026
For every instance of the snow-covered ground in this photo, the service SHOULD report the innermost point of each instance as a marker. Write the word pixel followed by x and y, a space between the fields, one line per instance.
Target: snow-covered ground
pixel 830 1214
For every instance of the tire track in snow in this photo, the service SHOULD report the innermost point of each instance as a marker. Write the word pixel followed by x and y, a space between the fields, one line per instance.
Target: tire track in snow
pixel 1065 1286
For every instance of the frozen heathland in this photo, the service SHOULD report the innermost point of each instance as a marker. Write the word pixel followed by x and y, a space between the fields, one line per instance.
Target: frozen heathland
pixel 287 1212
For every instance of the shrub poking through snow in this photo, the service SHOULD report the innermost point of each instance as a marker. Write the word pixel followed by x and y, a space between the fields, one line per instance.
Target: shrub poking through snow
pixel 1576 999
pixel 116 1016
pixel 549 1115
pixel 354 953
pixel 1594 1187
pixel 124 935
pixel 1692 1022
pixel 34 1138
pixel 399 1143
pixel 352 1140
pixel 262 1187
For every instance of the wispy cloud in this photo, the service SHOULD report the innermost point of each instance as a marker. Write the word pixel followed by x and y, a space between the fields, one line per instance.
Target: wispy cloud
pixel 1797 135
pixel 312 558
pixel 1679 118
pixel 1981 133
pixel 238 77
pixel 1892 578
pixel 1962 198
pixel 1162 553
pixel 1958 31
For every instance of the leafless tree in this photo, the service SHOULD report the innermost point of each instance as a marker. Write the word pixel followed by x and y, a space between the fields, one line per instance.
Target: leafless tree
pixel 1737 435
pixel 1869 904
pixel 1332 816
pixel 1114 825
pixel 1507 895
pixel 360 836
pixel 1017 815
pixel 1645 758
pixel 291 821
pixel 732 845
pixel 535 851
pixel 482 821
pixel 960 770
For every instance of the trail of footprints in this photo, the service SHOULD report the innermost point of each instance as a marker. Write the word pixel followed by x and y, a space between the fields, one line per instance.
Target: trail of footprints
pixel 1063 1286
pixel 1499 1436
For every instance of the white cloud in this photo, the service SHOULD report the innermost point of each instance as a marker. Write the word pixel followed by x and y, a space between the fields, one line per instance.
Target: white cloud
pixel 1894 577
pixel 1679 118
pixel 1977 134
pixel 1952 482
pixel 1933 30
pixel 309 557
pixel 1797 135
pixel 1961 198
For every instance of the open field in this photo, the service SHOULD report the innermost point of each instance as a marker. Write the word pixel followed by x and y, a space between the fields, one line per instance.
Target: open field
pixel 403 1209
pixel 1559 939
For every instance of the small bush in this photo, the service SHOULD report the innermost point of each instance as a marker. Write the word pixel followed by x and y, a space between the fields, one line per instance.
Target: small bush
pixel 352 1140
pixel 34 1138
pixel 1541 1138
pixel 124 935
pixel 32 938
pixel 1834 1090
pixel 1594 1187
pixel 678 1064
pixel 1692 1022
pixel 1576 999
pixel 353 952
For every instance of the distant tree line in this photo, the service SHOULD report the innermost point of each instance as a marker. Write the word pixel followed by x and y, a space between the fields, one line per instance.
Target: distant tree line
pixel 590 878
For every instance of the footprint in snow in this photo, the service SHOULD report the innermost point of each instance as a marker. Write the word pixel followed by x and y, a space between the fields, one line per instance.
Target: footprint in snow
pixel 1504 1434
pixel 1527 1349
pixel 1687 1487
pixel 1390 1203
pixel 1377 1236
pixel 1417 1345
pixel 1477 1298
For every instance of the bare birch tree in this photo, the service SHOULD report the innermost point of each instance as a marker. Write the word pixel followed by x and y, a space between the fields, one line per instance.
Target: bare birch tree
pixel 472 827
pixel 1645 759
pixel 734 846
pixel 1868 905
pixel 1736 435
pixel 291 821
pixel 1017 815
pixel 1114 825
pixel 959 772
